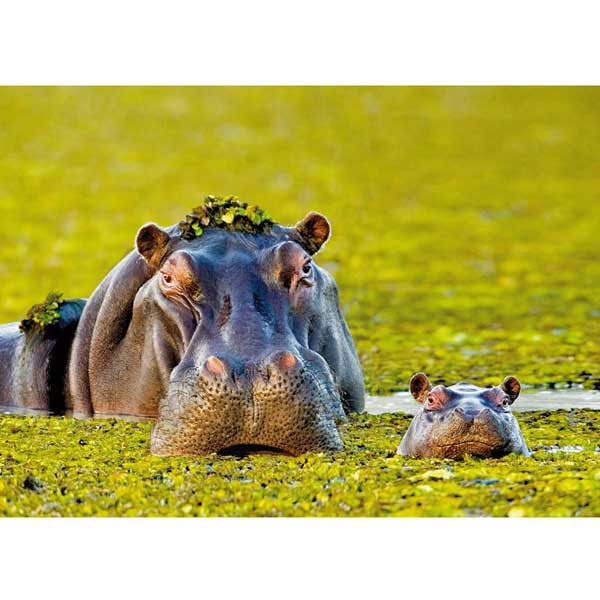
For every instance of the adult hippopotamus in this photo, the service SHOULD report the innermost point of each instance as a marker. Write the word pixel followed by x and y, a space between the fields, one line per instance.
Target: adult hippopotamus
pixel 222 328
pixel 463 419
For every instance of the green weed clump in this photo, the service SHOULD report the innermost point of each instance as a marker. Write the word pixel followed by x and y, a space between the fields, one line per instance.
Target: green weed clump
pixel 64 467
pixel 225 213
pixel 43 315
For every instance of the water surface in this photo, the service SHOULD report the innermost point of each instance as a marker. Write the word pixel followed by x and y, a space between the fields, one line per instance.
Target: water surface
pixel 528 401
pixel 404 402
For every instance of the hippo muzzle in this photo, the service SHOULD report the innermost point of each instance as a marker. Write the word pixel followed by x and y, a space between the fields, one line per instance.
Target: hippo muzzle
pixel 285 403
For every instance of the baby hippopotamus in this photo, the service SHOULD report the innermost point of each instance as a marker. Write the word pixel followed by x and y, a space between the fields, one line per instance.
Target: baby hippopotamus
pixel 463 419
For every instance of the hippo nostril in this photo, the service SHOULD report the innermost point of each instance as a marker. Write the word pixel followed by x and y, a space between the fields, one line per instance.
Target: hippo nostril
pixel 215 366
pixel 285 360
pixel 278 364
pixel 483 414
pixel 467 415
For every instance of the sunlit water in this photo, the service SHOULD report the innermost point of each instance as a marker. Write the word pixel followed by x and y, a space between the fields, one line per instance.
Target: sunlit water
pixel 529 400
pixel 404 402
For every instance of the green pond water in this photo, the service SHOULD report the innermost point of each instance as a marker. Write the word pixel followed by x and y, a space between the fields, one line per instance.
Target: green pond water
pixel 465 220
pixel 465 244
pixel 56 466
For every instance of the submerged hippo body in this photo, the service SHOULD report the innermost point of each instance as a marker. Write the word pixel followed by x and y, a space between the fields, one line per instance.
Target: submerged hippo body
pixel 229 339
pixel 463 419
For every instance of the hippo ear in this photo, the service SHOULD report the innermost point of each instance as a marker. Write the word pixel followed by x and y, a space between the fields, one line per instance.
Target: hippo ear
pixel 419 386
pixel 151 242
pixel 313 230
pixel 512 387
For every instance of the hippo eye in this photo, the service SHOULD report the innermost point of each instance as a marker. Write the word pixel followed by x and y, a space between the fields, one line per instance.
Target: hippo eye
pixel 505 402
pixel 307 268
pixel 167 278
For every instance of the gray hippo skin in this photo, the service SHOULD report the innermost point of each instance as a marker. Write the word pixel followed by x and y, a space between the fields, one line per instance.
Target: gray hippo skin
pixel 463 419
pixel 232 341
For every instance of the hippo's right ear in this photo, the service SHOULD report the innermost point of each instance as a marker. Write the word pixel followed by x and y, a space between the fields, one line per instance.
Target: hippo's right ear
pixel 313 230
pixel 151 242
pixel 511 387
pixel 419 386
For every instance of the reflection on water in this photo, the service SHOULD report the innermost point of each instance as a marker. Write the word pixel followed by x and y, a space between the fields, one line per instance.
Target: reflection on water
pixel 529 400
pixel 567 449
pixel 404 402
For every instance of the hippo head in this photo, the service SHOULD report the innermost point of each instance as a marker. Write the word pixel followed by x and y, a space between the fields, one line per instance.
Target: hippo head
pixel 256 352
pixel 463 419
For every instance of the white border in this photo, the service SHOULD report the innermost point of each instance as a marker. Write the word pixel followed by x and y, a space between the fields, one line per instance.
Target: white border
pixel 310 42
pixel 299 558
pixel 325 42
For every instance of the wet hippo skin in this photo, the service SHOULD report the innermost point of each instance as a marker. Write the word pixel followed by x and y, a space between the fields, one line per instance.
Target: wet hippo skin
pixel 229 340
pixel 463 419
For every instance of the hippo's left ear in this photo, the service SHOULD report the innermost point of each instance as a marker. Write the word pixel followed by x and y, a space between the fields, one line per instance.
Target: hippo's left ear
pixel 512 387
pixel 419 386
pixel 313 230
pixel 151 242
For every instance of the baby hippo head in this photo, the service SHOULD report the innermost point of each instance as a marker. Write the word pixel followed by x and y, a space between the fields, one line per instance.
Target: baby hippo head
pixel 463 419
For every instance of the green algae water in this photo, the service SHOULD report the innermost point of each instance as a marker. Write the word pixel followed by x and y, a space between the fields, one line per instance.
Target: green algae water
pixel 529 400
pixel 465 244
pixel 465 220
pixel 54 466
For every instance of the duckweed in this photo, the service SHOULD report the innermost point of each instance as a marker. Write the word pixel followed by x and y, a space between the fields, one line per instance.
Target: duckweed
pixel 64 467
pixel 225 213
pixel 465 220
pixel 43 315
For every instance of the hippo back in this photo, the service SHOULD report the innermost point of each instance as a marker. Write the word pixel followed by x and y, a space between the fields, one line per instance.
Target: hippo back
pixel 33 364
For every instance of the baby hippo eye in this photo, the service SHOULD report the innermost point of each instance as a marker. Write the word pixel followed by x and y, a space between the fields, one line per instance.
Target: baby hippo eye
pixel 505 401
pixel 307 268
pixel 166 278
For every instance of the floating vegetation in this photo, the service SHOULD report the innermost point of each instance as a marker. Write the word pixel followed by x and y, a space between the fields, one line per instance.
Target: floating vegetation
pixel 225 213
pixel 43 315
pixel 465 219
pixel 64 467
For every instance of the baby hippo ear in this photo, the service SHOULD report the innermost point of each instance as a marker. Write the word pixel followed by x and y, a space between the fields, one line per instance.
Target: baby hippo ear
pixel 512 387
pixel 314 230
pixel 419 386
pixel 151 242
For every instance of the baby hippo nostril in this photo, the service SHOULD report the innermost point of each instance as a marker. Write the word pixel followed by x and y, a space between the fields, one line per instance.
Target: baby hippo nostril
pixel 485 416
pixel 215 366
pixel 468 414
